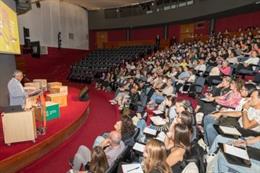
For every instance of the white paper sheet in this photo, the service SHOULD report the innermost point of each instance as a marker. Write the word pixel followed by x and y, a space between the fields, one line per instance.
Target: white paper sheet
pixel 161 136
pixel 206 100
pixel 132 168
pixel 157 112
pixel 230 130
pixel 150 131
pixel 139 147
pixel 157 120
pixel 235 151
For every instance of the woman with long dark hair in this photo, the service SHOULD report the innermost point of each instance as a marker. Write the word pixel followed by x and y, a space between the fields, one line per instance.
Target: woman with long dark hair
pixel 181 137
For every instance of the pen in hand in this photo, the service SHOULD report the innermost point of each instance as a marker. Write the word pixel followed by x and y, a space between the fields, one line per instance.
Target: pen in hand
pixel 133 169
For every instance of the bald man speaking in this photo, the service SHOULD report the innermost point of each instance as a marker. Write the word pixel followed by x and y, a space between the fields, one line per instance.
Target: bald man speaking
pixel 17 94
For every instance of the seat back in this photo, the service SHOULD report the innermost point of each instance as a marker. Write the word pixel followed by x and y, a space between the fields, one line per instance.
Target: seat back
pixel 196 155
pixel 199 85
pixel 131 141
pixel 120 158
pixel 257 78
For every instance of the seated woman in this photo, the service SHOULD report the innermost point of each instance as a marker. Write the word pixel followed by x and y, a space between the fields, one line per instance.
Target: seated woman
pixel 125 127
pixel 230 99
pixel 93 162
pixel 155 157
pixel 98 162
pixel 187 119
pixel 122 92
pixel 180 137
pixel 178 108
pixel 166 106
pixel 217 72
pixel 160 94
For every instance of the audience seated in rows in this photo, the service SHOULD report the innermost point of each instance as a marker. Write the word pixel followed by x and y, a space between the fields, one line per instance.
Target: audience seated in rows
pixel 151 86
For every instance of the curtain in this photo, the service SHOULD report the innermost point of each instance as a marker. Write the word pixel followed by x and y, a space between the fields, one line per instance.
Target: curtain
pixel 53 17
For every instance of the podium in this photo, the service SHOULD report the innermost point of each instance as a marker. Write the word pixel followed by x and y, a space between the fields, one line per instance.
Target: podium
pixel 19 127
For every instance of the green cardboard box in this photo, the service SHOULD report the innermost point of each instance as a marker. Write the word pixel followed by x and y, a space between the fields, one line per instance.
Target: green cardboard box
pixel 52 110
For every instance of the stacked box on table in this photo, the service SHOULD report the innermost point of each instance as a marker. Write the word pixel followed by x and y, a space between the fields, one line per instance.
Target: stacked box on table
pixel 42 82
pixel 53 84
pixel 37 84
pixel 59 98
pixel 32 84
pixel 59 89
pixel 29 89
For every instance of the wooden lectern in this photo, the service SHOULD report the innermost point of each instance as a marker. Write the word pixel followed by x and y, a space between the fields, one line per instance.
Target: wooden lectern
pixel 19 127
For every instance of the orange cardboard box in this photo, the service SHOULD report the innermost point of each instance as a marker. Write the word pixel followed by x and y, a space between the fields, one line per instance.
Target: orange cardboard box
pixel 59 98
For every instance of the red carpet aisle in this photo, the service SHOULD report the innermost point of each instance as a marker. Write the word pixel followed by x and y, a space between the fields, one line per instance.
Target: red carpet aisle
pixel 101 118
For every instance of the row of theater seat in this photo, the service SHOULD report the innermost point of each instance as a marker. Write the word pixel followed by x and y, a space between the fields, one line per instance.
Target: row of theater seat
pixel 102 60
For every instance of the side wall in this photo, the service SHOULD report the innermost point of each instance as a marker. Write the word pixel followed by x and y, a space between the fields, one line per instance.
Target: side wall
pixel 201 27
pixel 97 20
pixel 53 17
pixel 238 21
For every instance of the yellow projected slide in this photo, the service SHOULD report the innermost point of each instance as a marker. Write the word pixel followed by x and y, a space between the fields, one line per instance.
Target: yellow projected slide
pixel 9 34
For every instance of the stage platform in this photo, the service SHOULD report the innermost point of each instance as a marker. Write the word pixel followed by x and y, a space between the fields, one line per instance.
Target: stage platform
pixel 19 155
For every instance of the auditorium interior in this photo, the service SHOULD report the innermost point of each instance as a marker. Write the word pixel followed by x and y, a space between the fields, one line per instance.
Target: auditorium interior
pixel 130 86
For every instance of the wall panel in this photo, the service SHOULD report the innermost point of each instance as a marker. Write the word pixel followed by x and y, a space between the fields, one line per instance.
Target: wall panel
pixel 53 17
pixel 148 33
pixel 117 35
pixel 241 20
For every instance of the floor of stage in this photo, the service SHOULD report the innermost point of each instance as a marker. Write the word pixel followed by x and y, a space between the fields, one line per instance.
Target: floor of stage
pixel 69 114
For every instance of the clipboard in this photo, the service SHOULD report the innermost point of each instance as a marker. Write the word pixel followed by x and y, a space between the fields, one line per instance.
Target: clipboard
pixel 233 159
pixel 224 134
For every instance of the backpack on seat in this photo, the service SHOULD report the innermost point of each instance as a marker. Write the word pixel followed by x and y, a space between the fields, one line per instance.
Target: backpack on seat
pixel 196 155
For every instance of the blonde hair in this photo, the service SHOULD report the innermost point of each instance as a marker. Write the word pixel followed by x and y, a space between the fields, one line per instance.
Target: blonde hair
pixel 156 157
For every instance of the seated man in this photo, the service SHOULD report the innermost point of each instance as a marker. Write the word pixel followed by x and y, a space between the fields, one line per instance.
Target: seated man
pixel 113 147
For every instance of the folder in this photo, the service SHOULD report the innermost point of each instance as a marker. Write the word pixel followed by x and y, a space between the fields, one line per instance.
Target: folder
pixel 150 131
pixel 139 147
pixel 235 155
pixel 223 130
pixel 230 130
